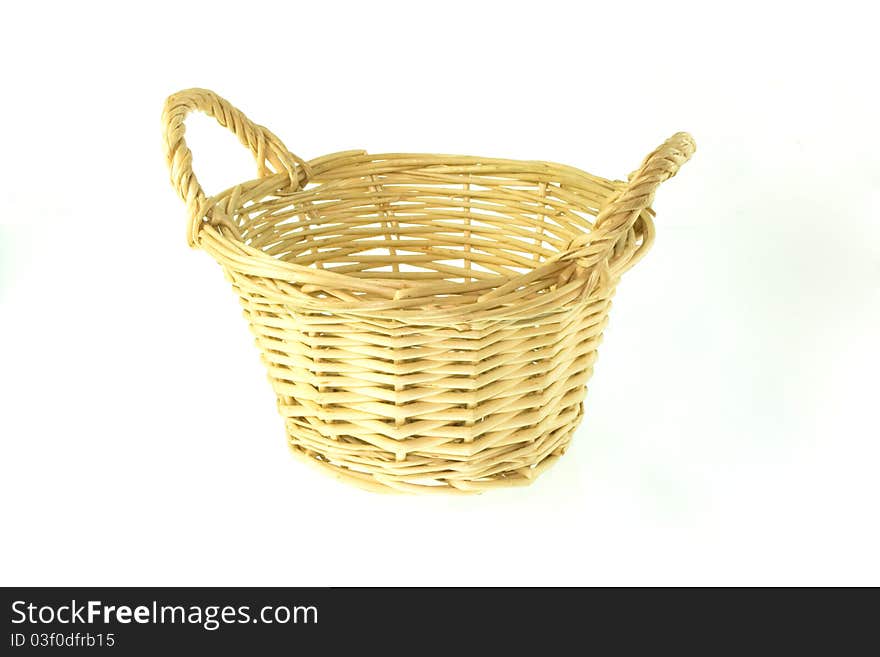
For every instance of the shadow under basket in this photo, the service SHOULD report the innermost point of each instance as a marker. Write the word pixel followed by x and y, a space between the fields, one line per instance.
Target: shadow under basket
pixel 429 322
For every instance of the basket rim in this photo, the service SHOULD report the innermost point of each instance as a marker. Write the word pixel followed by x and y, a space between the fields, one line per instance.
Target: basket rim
pixel 229 249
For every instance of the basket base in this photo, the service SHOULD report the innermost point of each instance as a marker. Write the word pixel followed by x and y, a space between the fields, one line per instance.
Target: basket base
pixel 456 480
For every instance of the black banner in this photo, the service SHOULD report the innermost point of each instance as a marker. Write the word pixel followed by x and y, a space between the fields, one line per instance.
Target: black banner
pixel 131 621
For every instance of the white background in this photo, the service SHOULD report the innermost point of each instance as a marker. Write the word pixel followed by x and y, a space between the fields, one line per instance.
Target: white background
pixel 731 429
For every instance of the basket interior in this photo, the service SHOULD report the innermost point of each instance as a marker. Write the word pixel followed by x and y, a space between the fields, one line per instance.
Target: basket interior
pixel 424 218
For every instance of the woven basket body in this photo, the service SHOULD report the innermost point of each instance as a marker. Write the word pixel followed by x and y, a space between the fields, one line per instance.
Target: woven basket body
pixel 429 322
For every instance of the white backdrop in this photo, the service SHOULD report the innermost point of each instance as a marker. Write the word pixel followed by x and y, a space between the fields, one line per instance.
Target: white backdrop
pixel 731 425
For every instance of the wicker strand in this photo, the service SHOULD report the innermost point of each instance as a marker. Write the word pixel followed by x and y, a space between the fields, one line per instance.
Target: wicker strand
pixel 428 323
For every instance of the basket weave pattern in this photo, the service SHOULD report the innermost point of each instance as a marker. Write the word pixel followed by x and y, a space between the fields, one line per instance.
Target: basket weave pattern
pixel 429 322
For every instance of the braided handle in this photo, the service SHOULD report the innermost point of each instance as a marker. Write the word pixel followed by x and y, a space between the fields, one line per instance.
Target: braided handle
pixel 270 153
pixel 619 216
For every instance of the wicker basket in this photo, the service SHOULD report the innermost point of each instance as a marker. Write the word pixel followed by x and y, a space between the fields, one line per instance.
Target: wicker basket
pixel 429 322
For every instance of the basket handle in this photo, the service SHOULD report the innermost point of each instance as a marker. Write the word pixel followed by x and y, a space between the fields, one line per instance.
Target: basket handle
pixel 270 153
pixel 619 216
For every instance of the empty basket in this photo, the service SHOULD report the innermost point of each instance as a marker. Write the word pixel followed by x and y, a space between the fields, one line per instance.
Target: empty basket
pixel 429 322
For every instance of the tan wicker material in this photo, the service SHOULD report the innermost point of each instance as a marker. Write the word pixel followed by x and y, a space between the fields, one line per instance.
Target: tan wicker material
pixel 429 322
